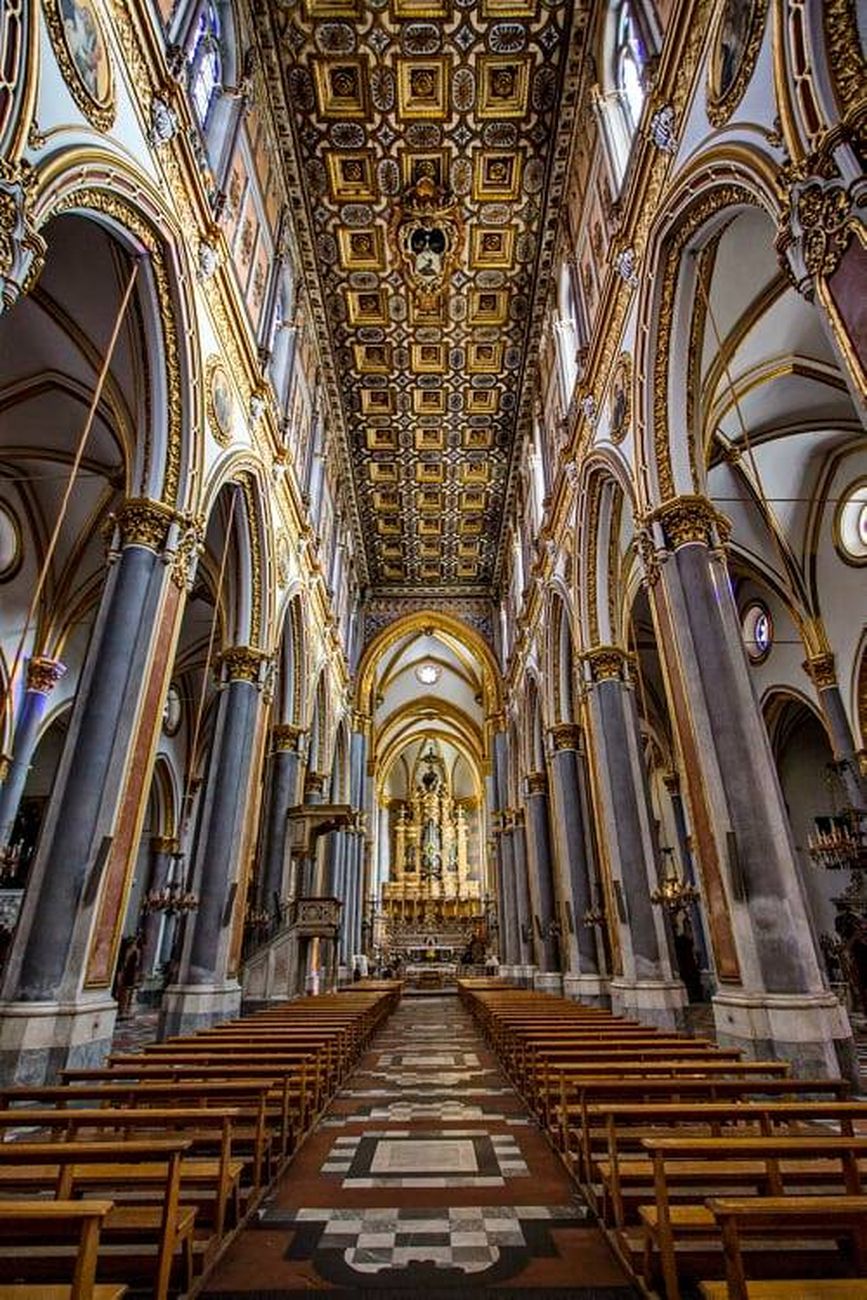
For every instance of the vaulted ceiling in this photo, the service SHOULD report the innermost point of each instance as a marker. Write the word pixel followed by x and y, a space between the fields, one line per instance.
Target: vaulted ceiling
pixel 426 144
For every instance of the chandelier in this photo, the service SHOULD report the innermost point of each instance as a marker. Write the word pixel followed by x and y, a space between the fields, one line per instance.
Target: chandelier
pixel 174 900
pixel 839 841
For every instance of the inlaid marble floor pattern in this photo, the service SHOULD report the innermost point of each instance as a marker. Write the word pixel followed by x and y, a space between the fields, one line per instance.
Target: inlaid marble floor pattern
pixel 426 1175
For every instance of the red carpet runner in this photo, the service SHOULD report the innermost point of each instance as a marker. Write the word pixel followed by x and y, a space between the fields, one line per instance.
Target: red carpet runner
pixel 426 1176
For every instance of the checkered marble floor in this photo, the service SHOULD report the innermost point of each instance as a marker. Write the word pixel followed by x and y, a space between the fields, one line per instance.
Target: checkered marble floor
pixel 426 1174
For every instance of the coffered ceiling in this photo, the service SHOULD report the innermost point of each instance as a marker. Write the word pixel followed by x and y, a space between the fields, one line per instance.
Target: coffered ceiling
pixel 425 142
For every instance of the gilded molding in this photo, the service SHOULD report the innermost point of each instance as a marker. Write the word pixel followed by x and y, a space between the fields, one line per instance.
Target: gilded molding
pixel 144 523
pixel 22 248
pixel 99 200
pixel 164 844
pixel 846 63
pixel 255 558
pixel 720 106
pixel 565 735
pixel 822 671
pixel 190 546
pixel 43 674
pixel 607 663
pixel 705 207
pixel 244 663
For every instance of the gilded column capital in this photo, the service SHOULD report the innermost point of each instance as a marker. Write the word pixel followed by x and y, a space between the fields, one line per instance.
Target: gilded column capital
pixel 565 735
pixel 22 248
pixel 164 844
pixel 244 663
pixel 286 737
pixel 691 519
pixel 822 671
pixel 314 783
pixel 537 783
pixel 497 721
pixel 517 818
pixel 141 522
pixel 43 674
pixel 359 721
pixel 606 663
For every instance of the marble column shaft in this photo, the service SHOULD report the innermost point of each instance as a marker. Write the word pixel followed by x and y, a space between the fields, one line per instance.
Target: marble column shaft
pixel 282 795
pixel 162 851
pixel 738 768
pixel 221 827
pixel 540 872
pixel 510 941
pixel 88 782
pixel 572 850
pixel 42 675
pixel 523 907
pixel 627 821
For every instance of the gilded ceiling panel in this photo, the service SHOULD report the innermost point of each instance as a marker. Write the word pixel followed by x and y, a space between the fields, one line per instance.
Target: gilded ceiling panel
pixel 423 134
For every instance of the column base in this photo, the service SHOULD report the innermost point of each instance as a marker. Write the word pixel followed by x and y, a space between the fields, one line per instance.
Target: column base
pixel 189 1007
pixel 811 1030
pixel 653 1002
pixel 39 1039
pixel 546 981
pixel 524 975
pixel 591 990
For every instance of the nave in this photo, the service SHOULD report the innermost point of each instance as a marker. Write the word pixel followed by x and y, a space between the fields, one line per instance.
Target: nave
pixel 426 1176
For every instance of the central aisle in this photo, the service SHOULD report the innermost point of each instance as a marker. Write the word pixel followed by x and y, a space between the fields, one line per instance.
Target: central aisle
pixel 426 1175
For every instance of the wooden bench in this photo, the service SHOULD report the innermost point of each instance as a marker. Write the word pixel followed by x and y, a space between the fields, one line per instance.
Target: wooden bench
pixel 82 1220
pixel 211 1184
pixel 761 1162
pixel 65 1168
pixel 790 1217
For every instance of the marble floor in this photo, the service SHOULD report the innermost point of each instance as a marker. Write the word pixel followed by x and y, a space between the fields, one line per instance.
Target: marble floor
pixel 426 1175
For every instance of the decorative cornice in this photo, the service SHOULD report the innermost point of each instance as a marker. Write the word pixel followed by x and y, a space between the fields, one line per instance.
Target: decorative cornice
pixel 565 735
pixel 43 674
pixel 244 663
pixel 821 669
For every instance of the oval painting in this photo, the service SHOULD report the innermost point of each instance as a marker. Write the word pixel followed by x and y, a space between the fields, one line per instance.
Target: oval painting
pixel 82 52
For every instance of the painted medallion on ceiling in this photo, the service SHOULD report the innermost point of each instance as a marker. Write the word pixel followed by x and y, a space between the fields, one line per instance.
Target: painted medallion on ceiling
pixel 421 132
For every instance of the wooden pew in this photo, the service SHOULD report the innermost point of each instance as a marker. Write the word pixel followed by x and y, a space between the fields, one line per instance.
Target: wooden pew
pixel 789 1216
pixel 70 1167
pixel 212 1185
pixel 764 1162
pixel 20 1220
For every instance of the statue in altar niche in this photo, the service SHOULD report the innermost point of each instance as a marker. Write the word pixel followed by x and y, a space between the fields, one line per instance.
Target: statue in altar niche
pixel 432 881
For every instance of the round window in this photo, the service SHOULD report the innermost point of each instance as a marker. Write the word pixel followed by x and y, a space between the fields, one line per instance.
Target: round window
pixel 758 628
pixel 851 524
pixel 10 543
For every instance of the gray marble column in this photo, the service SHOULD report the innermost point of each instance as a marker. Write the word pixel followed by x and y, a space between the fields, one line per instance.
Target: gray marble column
pixel 510 938
pixel 204 993
pixel 646 987
pixel 88 781
pixel 821 668
pixel 285 765
pixel 540 872
pixel 42 676
pixel 573 850
pixel 163 848
pixel 773 997
pixel 523 905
